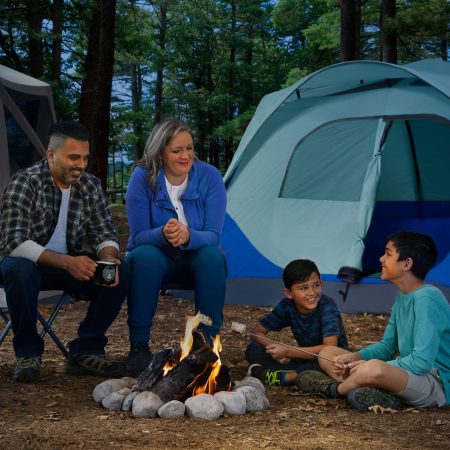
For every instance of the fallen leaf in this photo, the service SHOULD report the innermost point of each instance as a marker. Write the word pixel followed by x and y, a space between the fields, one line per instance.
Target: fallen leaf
pixel 411 410
pixel 380 409
pixel 325 422
pixel 50 405
pixel 102 417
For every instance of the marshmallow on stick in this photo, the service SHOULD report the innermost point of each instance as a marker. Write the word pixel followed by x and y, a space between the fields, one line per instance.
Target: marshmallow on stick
pixel 241 328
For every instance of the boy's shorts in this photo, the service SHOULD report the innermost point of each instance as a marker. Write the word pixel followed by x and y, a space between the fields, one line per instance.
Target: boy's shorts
pixel 423 391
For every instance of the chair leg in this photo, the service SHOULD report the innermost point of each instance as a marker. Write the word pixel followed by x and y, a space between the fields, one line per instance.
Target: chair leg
pixel 47 324
pixel 5 331
pixel 4 315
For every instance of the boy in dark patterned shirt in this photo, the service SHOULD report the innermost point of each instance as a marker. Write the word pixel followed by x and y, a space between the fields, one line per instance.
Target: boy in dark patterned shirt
pixel 313 318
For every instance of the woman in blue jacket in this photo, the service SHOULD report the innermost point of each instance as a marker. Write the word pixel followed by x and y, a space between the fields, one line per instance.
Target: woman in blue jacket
pixel 176 210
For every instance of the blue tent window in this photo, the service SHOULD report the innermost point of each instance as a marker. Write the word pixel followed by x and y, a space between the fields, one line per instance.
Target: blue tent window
pixel 319 170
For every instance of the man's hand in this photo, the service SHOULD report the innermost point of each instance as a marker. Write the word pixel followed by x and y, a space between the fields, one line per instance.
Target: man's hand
pixel 81 267
pixel 176 233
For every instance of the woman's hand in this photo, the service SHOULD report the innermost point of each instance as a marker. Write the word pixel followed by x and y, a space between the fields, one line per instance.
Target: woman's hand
pixel 176 233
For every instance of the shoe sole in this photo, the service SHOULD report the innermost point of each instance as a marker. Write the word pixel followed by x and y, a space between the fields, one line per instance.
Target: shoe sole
pixel 249 370
pixel 30 379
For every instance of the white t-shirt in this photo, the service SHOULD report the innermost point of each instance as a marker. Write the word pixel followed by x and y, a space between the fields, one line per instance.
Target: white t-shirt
pixel 58 242
pixel 175 194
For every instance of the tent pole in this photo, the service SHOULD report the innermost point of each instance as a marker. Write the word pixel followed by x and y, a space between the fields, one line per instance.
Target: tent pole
pixel 416 168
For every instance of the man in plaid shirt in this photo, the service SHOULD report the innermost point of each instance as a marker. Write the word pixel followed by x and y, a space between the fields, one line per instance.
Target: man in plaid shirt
pixel 54 225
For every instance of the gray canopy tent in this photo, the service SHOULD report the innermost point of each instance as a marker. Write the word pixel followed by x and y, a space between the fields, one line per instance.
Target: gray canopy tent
pixel 26 115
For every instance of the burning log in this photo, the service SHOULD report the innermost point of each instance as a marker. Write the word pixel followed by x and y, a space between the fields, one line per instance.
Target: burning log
pixel 155 370
pixel 174 385
pixel 206 384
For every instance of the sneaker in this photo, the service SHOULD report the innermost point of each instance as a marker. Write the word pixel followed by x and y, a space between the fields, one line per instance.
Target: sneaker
pixel 94 365
pixel 364 397
pixel 27 369
pixel 267 376
pixel 315 382
pixel 139 358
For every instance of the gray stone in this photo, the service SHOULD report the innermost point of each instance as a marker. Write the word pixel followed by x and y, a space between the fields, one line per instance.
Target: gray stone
pixel 172 410
pixel 146 404
pixel 233 402
pixel 250 381
pixel 204 406
pixel 130 381
pixel 106 387
pixel 113 401
pixel 255 399
pixel 128 402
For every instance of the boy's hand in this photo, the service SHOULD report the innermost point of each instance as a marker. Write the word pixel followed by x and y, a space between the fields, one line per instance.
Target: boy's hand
pixel 278 353
pixel 344 363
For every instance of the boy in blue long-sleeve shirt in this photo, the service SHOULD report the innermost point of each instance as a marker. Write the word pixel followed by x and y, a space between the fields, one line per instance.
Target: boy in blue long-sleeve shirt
pixel 411 363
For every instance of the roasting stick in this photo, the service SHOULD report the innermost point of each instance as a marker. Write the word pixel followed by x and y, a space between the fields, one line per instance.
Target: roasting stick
pixel 240 328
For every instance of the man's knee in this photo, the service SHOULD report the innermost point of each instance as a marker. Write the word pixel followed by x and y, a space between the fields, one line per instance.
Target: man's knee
pixel 16 269
pixel 124 273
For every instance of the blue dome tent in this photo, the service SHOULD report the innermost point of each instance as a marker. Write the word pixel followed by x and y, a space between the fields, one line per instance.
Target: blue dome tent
pixel 331 165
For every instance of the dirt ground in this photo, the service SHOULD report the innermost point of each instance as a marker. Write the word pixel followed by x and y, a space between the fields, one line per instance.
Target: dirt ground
pixel 58 411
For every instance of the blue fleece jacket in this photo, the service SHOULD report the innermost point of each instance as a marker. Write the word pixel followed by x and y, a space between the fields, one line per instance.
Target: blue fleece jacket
pixel 204 204
pixel 419 333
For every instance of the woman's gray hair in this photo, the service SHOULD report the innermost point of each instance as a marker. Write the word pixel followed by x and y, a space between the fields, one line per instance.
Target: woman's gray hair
pixel 159 137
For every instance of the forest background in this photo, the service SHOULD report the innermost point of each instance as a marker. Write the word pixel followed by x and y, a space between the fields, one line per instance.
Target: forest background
pixel 120 66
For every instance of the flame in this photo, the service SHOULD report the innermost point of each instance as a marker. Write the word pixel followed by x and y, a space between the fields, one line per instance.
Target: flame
pixel 167 368
pixel 192 323
pixel 210 386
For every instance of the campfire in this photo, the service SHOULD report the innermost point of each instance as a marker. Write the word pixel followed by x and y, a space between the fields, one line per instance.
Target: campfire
pixel 186 379
pixel 177 373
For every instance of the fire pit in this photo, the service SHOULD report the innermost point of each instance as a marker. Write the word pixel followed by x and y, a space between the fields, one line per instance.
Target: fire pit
pixel 189 379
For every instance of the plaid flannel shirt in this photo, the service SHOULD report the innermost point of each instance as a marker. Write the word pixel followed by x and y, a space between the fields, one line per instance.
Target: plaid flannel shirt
pixel 30 209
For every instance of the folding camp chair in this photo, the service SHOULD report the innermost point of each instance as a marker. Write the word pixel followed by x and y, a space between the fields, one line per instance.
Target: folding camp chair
pixel 65 297
pixel 167 288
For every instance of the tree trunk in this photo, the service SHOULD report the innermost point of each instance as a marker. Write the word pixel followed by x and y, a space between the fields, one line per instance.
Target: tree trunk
pixel 161 62
pixel 444 47
pixel 357 29
pixel 136 102
pixel 231 83
pixel 97 85
pixel 349 30
pixel 57 39
pixel 388 32
pixel 35 45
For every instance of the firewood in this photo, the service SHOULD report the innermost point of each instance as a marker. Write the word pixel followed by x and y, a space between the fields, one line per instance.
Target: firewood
pixel 154 370
pixel 174 385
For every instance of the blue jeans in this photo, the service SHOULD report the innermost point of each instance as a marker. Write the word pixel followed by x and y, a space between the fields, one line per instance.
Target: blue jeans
pixel 22 281
pixel 203 269
pixel 256 354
